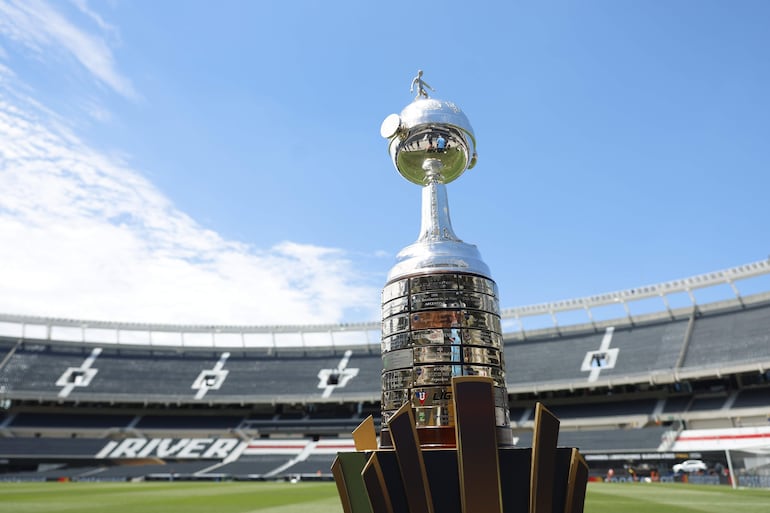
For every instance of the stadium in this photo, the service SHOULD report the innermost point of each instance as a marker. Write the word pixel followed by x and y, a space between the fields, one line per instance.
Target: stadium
pixel 642 380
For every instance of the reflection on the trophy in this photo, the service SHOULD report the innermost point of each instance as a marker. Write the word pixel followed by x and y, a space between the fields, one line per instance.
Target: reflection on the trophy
pixel 437 319
pixel 432 142
pixel 440 143
pixel 447 145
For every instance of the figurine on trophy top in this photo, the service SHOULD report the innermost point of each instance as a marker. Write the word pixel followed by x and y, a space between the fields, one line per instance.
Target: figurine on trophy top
pixel 431 140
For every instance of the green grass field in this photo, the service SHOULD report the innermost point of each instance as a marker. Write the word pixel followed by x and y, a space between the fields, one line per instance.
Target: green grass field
pixel 322 498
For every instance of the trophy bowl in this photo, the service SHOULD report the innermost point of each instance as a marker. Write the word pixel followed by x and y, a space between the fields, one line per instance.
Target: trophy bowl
pixel 430 136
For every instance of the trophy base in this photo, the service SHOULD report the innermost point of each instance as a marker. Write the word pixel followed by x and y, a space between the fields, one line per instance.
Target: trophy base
pixel 441 466
pixel 476 475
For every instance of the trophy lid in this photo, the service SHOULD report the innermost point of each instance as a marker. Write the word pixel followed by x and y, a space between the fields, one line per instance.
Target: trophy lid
pixel 432 111
pixel 429 128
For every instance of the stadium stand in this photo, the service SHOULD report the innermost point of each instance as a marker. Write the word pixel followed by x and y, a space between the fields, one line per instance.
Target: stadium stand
pixel 734 337
pixel 75 404
pixel 255 466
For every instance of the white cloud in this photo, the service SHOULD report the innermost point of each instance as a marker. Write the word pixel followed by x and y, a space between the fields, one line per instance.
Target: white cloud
pixel 44 30
pixel 85 236
pixel 82 6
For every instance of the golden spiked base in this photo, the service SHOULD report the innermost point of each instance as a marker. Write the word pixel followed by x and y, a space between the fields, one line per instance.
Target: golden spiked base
pixel 475 477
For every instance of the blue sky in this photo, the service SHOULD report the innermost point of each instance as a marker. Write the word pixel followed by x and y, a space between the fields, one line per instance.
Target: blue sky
pixel 199 162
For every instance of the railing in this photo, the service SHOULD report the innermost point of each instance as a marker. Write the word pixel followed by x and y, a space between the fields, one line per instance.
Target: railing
pixel 625 298
pixel 366 333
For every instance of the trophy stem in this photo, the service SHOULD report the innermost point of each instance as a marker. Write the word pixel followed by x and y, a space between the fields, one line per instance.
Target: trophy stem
pixel 435 222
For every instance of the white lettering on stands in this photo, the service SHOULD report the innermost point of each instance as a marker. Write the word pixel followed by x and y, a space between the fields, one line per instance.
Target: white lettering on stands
pixel 221 448
pixel 149 447
pixel 188 448
pixel 169 447
pixel 106 450
pixel 128 448
pixel 192 450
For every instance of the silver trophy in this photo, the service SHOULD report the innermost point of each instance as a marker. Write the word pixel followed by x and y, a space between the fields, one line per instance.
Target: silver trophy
pixel 440 308
pixel 443 382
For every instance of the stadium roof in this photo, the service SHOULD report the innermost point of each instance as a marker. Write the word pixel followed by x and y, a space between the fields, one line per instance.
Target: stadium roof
pixel 628 304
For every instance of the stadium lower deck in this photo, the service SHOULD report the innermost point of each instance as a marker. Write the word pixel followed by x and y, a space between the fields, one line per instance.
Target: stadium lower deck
pixel 631 394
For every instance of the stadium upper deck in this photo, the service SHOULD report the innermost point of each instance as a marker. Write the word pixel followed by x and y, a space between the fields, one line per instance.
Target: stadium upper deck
pixel 59 360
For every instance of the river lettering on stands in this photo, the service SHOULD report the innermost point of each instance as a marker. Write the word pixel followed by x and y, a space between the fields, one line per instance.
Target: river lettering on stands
pixel 191 448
